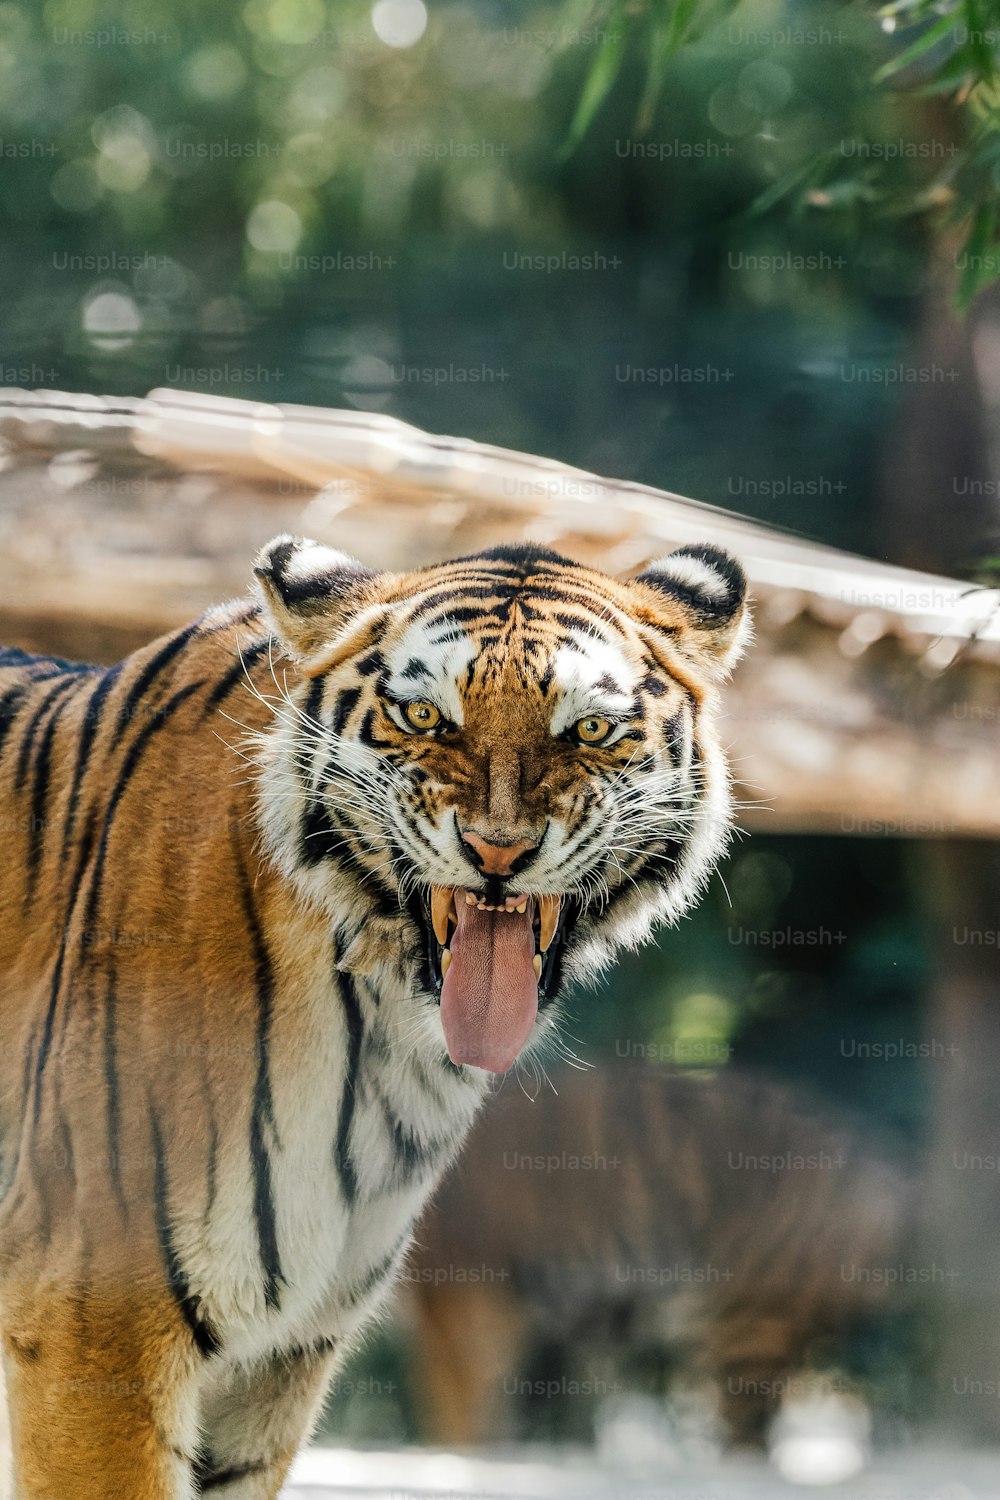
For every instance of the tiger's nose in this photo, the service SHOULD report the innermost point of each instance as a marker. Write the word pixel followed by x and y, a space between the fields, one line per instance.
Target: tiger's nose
pixel 496 859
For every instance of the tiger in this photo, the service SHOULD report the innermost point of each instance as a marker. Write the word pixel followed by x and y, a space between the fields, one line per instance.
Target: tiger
pixel 286 892
pixel 647 1209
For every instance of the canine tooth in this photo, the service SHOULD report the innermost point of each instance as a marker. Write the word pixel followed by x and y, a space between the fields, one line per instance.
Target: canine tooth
pixel 523 906
pixel 548 918
pixel 470 899
pixel 445 961
pixel 536 964
pixel 441 897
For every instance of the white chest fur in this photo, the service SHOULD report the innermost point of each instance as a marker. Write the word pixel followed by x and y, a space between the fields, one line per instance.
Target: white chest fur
pixel 362 1121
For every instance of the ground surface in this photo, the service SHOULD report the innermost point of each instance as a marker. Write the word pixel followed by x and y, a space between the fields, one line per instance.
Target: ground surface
pixel 342 1474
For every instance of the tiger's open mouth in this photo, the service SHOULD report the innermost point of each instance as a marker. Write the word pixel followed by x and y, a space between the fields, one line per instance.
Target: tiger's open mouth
pixel 494 964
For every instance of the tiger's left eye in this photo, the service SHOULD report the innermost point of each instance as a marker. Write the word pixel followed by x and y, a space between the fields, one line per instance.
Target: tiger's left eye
pixel 422 715
pixel 593 731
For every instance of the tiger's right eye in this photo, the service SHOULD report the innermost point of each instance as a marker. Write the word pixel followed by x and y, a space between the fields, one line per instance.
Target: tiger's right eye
pixel 593 730
pixel 422 716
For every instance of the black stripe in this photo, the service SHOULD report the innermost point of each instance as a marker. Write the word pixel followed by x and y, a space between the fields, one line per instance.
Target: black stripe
pixel 590 600
pixel 411 1154
pixel 205 1478
pixel 407 1150
pixel 318 836
pixel 134 755
pixel 346 701
pixel 367 666
pixel 236 674
pixel 526 557
pixel 26 746
pixel 496 599
pixel 206 1475
pixel 412 824
pixel 294 1354
pixel 314 700
pixel 205 1336
pixel 723 567
pixel 428 974
pixel 673 737
pixel 212 1169
pixel 39 795
pixel 670 852
pixel 346 1170
pixel 579 844
pixel 112 1094
pixel 13 656
pixel 45 1042
pixel 323 839
pixel 368 736
pixel 65 1137
pixel 367 732
pixel 577 623
pixel 466 612
pixel 489 592
pixel 262 1113
pixel 10 705
pixel 91 722
pixel 174 646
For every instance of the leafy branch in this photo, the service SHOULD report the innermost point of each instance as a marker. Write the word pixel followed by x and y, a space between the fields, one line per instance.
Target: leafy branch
pixel 946 51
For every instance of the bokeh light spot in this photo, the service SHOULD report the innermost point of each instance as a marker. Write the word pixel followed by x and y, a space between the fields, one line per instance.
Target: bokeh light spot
pixel 125 140
pixel 215 72
pixel 76 187
pixel 295 21
pixel 730 113
pixel 399 23
pixel 111 317
pixel 368 382
pixel 274 226
pixel 765 86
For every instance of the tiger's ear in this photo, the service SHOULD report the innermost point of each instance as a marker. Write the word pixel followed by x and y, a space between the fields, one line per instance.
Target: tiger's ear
pixel 307 591
pixel 701 590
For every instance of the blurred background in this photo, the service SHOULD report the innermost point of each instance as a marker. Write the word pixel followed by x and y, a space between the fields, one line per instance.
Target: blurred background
pixel 740 252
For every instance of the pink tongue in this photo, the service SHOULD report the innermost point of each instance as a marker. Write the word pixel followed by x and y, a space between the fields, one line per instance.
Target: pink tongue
pixel 489 998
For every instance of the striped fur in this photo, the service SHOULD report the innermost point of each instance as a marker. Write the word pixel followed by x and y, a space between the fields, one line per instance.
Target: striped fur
pixel 224 1088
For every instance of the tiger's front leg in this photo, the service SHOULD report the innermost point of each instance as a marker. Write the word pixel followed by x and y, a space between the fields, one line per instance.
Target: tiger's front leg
pixel 254 1422
pixel 102 1398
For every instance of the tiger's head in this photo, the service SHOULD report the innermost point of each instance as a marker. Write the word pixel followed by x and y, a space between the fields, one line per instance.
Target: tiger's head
pixel 494 772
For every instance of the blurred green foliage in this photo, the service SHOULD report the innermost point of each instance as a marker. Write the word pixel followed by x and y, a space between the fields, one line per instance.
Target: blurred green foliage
pixel 805 953
pixel 937 49
pixel 270 200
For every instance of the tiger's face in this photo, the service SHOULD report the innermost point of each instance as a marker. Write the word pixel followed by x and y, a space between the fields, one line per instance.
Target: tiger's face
pixel 509 762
